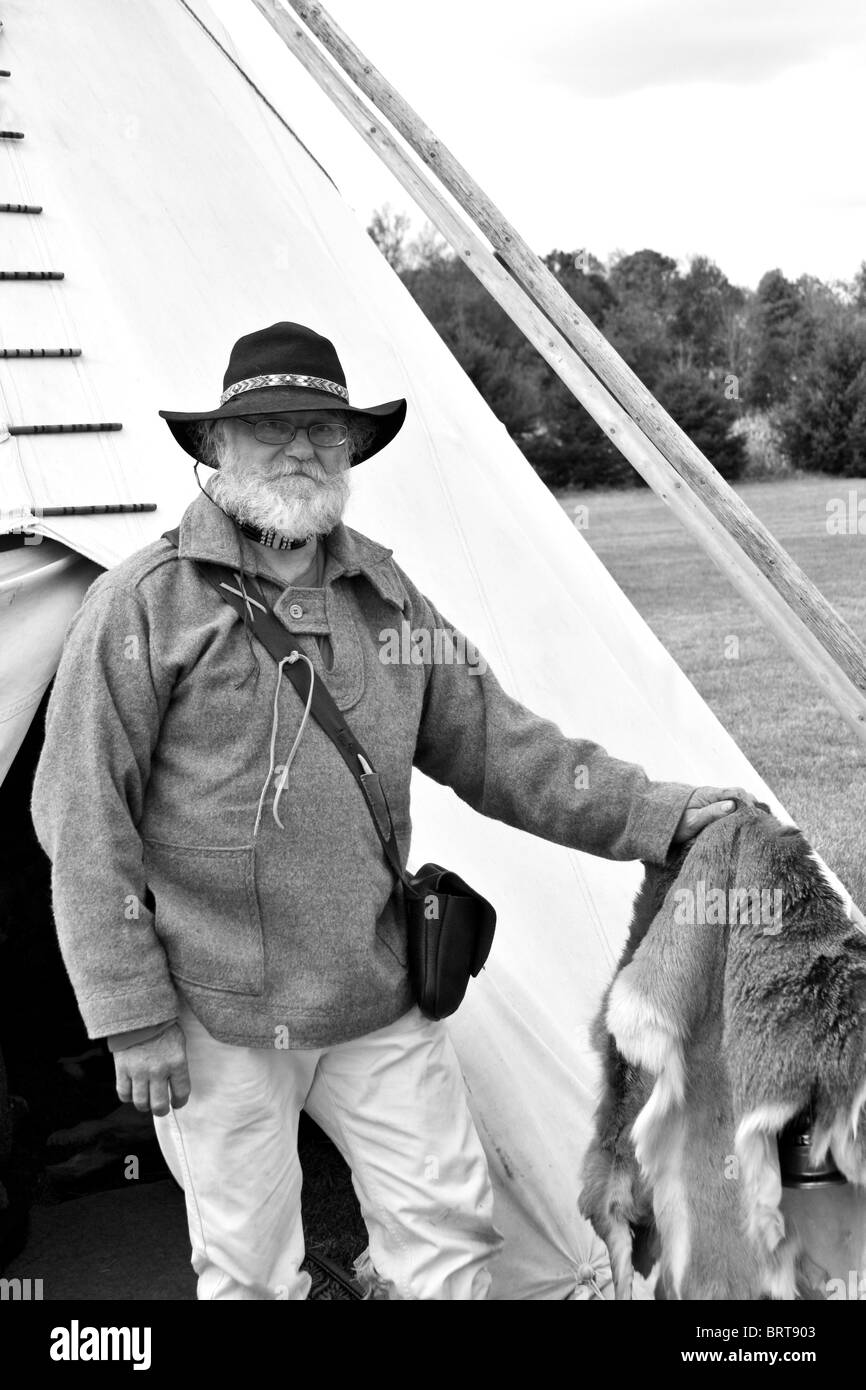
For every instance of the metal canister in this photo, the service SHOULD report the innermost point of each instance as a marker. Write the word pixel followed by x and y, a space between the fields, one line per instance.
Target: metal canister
pixel 796 1164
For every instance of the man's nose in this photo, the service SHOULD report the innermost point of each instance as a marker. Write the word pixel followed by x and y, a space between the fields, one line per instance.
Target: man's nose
pixel 300 446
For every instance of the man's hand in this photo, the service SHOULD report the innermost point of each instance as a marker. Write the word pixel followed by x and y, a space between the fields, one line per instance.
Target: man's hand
pixel 707 804
pixel 154 1073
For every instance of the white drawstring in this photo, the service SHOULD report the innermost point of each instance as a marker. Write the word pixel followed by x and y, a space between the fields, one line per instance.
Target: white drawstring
pixel 275 720
pixel 295 656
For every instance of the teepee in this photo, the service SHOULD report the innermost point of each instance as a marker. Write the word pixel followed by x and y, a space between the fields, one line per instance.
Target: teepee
pixel 181 212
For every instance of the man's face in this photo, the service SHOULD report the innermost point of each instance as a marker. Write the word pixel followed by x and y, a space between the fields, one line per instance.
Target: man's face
pixel 296 487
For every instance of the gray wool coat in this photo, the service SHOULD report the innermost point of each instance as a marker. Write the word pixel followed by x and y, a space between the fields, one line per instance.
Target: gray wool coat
pixel 157 757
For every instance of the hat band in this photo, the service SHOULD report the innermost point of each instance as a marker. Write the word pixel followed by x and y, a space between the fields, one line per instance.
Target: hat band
pixel 255 383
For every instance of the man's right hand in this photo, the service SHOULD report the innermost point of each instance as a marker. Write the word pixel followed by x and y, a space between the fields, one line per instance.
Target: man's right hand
pixel 154 1075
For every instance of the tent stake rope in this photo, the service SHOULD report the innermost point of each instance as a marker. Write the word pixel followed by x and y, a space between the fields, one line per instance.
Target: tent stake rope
pixel 801 628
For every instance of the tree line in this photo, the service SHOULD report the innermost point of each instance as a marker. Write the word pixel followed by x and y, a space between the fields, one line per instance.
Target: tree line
pixel 785 363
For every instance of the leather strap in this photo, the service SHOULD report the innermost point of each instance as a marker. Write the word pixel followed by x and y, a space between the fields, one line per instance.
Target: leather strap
pixel 277 641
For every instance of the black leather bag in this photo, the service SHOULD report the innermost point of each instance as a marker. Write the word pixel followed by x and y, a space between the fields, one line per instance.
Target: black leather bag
pixel 450 934
pixel 450 926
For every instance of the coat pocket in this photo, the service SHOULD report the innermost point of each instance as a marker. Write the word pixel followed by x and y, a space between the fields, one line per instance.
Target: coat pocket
pixel 207 914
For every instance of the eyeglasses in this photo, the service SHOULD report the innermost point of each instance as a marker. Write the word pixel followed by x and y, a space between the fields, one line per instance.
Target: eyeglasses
pixel 328 434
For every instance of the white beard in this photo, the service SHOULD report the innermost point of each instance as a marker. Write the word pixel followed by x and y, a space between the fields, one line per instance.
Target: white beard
pixel 293 509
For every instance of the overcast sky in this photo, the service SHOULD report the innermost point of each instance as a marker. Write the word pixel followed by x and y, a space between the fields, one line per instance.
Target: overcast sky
pixel 732 128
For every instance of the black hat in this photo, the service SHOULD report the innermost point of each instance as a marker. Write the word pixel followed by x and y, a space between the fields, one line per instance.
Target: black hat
pixel 281 368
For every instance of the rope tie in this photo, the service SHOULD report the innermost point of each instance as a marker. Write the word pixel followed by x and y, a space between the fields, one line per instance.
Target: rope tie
pixel 588 1286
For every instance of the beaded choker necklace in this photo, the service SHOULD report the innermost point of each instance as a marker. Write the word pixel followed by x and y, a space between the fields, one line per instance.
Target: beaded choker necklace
pixel 268 536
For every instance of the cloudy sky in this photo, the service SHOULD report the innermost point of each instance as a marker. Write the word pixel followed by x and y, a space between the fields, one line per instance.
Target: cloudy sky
pixel 731 128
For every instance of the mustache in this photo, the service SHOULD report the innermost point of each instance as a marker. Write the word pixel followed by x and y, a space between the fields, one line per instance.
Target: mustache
pixel 306 470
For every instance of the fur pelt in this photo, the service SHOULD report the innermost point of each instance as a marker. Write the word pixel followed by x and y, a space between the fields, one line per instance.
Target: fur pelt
pixel 728 1016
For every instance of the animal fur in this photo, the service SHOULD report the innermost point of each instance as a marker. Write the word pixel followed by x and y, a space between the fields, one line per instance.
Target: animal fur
pixel 713 1035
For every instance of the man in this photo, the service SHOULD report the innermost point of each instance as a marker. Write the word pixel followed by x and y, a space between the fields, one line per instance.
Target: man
pixel 223 904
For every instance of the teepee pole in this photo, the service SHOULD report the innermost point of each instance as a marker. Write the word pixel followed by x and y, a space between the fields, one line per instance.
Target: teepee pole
pixel 838 666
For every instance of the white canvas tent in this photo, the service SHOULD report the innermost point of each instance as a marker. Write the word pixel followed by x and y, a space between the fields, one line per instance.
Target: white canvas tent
pixel 183 214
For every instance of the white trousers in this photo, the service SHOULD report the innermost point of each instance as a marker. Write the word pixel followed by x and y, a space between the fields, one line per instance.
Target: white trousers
pixel 393 1102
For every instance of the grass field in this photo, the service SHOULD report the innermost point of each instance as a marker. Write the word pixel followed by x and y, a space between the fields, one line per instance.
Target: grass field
pixel 791 734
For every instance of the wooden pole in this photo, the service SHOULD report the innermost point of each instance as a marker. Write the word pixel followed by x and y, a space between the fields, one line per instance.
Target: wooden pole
pixel 592 346
pixel 753 570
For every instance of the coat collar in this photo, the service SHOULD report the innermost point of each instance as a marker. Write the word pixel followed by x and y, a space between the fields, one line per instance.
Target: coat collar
pixel 206 533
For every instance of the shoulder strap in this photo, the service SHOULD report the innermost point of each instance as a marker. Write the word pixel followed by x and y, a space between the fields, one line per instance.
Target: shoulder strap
pixel 261 622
